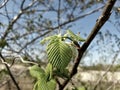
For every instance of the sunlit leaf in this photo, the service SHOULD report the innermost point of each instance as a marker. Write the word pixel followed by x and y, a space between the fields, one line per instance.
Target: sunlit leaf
pixel 59 54
pixel 52 84
pixel 48 71
pixel 75 37
pixel 36 71
pixel 42 84
pixel 48 38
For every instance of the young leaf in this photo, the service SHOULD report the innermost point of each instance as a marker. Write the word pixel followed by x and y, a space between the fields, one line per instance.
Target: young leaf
pixel 52 84
pixel 48 71
pixel 36 71
pixel 48 38
pixel 62 74
pixel 75 37
pixel 59 54
pixel 42 84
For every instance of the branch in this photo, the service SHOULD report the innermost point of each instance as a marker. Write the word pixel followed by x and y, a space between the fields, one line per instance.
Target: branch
pixel 3 3
pixel 99 23
pixel 10 73
pixel 58 15
pixel 15 19
pixel 107 70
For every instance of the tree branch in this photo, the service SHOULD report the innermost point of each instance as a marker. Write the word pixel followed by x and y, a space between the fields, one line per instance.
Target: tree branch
pixel 99 23
pixel 12 77
pixel 3 3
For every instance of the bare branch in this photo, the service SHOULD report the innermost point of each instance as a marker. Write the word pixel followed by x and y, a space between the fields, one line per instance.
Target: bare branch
pixel 3 3
pixel 28 62
pixel 13 21
pixel 22 4
pixel 99 23
pixel 99 80
pixel 10 73
pixel 58 15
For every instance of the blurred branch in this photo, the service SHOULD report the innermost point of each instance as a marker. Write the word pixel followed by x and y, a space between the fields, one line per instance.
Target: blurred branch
pixel 58 15
pixel 111 86
pixel 28 62
pixel 14 20
pixel 15 38
pixel 81 16
pixel 60 25
pixel 99 23
pixel 100 79
pixel 10 73
pixel 22 4
pixel 3 3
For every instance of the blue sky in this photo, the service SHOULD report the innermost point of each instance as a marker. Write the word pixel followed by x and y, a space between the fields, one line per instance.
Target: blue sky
pixel 83 26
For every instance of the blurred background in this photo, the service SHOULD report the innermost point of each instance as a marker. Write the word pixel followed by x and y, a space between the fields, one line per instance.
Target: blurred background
pixel 24 23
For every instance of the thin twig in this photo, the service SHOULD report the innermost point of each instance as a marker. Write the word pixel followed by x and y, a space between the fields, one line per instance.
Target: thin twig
pixel 3 3
pixel 107 70
pixel 28 62
pixel 58 15
pixel 10 73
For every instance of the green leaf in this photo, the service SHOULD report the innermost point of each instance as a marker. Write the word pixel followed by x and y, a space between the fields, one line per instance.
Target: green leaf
pixel 75 37
pixel 48 71
pixel 49 38
pixel 81 88
pixel 74 51
pixel 52 84
pixel 42 84
pixel 63 74
pixel 59 54
pixel 36 71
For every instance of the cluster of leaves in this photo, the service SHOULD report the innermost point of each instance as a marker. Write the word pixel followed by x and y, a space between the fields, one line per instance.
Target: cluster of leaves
pixel 44 78
pixel 60 54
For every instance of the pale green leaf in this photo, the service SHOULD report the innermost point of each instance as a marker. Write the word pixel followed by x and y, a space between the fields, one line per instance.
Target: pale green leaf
pixel 43 84
pixel 48 71
pixel 63 73
pixel 81 88
pixel 48 38
pixel 75 37
pixel 36 71
pixel 59 54
pixel 52 84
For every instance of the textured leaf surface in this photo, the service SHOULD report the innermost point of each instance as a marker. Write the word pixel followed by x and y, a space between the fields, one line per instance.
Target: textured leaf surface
pixel 52 84
pixel 43 84
pixel 36 71
pixel 48 71
pixel 59 54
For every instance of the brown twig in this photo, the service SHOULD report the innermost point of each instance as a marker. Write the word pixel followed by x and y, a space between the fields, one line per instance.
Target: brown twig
pixel 99 23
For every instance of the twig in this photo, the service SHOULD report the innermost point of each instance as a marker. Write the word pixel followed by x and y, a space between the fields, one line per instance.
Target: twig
pixel 3 3
pixel 99 80
pixel 10 73
pixel 28 62
pixel 109 88
pixel 13 21
pixel 58 15
pixel 99 23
